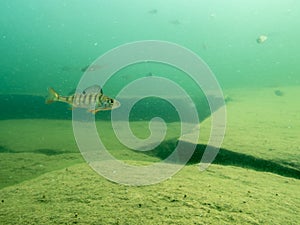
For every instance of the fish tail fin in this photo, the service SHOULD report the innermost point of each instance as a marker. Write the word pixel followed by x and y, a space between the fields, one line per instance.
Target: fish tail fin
pixel 53 96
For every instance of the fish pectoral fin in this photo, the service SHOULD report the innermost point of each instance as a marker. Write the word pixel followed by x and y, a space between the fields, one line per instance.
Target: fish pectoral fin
pixel 94 111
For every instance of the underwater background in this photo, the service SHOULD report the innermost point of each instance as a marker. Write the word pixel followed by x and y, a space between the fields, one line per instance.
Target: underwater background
pixel 252 48
pixel 48 43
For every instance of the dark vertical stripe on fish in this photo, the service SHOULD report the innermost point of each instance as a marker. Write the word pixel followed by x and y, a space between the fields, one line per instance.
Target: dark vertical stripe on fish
pixel 90 99
pixel 86 99
pixel 100 100
pixel 72 99
pixel 69 99
pixel 83 99
pixel 95 99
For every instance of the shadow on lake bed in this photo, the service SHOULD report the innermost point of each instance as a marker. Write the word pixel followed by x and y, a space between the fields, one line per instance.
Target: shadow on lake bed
pixel 231 158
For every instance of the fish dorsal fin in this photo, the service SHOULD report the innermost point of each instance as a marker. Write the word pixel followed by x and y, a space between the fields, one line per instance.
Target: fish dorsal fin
pixel 93 90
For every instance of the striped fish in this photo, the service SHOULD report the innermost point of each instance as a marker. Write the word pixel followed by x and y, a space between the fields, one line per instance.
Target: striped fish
pixel 91 98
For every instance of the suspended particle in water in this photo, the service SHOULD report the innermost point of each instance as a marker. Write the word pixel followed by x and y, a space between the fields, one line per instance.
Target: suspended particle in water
pixel 261 39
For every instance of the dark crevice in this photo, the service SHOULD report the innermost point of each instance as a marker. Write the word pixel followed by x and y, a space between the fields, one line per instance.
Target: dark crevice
pixel 232 158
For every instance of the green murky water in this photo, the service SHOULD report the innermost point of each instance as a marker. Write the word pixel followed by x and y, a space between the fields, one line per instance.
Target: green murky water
pixel 49 43
pixel 252 48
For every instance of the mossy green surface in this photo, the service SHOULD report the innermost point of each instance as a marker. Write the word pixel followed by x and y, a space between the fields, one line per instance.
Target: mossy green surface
pixel 254 180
